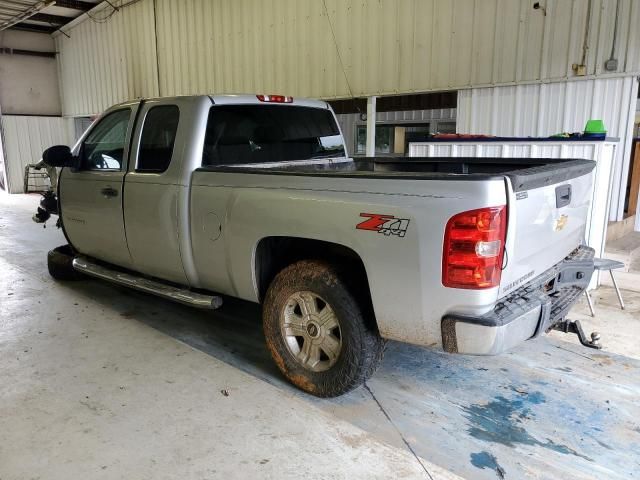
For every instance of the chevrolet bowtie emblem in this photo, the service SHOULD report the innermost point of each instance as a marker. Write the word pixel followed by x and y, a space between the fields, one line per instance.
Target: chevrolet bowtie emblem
pixel 561 222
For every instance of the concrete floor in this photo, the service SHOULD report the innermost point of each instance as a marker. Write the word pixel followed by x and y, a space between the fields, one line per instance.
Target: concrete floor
pixel 88 391
pixel 101 382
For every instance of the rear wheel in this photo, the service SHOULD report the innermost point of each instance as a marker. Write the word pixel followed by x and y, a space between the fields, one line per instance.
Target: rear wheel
pixel 60 263
pixel 316 331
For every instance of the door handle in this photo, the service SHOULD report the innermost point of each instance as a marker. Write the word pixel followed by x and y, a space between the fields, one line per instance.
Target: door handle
pixel 563 195
pixel 109 192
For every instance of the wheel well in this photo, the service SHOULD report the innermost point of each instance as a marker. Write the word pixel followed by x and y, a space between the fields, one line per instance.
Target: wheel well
pixel 276 253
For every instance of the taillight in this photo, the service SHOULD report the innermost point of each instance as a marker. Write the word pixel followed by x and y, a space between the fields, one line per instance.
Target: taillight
pixel 274 98
pixel 473 248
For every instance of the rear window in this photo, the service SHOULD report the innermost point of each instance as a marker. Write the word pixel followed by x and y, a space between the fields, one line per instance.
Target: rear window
pixel 269 133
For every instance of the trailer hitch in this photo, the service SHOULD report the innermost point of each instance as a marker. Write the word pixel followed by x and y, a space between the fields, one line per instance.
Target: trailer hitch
pixel 574 326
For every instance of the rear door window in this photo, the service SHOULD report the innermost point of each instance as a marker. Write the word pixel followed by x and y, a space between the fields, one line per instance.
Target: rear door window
pixel 270 133
pixel 158 138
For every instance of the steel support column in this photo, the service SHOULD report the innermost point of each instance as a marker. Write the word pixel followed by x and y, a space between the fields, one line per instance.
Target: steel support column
pixel 371 127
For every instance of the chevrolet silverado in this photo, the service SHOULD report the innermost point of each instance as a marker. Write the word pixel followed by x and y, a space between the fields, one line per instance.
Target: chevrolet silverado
pixel 254 196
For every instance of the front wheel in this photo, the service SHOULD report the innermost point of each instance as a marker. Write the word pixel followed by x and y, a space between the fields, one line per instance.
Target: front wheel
pixel 316 332
pixel 60 263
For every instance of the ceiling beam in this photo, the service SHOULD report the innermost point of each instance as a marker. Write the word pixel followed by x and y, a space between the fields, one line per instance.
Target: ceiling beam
pixel 28 12
pixel 21 5
pixel 33 28
pixel 55 19
pixel 13 8
pixel 75 4
pixel 31 53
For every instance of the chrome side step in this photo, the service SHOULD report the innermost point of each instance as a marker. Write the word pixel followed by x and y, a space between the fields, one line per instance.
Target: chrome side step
pixel 180 295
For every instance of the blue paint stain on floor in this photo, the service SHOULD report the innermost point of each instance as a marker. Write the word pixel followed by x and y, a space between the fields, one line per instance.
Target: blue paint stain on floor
pixel 502 421
pixel 484 460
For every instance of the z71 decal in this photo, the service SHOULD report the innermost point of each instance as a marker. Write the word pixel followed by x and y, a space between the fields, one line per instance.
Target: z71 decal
pixel 385 224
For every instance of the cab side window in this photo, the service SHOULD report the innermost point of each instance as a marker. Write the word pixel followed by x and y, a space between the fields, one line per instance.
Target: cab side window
pixel 103 149
pixel 157 139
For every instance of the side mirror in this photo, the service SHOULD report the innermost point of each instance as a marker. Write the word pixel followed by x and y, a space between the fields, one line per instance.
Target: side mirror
pixel 58 156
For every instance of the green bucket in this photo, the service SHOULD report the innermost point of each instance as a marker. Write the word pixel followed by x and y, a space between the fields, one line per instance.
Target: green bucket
pixel 595 126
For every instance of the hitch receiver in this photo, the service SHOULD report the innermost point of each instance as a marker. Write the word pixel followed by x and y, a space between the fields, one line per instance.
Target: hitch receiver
pixel 573 326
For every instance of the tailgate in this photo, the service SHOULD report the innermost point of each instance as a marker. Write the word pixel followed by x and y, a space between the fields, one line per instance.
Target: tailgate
pixel 548 208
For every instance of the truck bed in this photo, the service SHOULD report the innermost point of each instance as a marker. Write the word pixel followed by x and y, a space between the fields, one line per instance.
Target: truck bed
pixel 525 173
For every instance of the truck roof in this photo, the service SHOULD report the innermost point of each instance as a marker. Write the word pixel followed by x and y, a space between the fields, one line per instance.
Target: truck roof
pixel 253 99
pixel 243 98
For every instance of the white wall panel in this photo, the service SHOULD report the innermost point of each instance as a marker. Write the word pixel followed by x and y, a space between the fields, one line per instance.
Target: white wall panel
pixel 106 62
pixel 386 46
pixel 545 109
pixel 28 84
pixel 25 138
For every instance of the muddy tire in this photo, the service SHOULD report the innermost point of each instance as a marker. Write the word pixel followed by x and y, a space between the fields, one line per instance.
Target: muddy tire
pixel 316 330
pixel 59 262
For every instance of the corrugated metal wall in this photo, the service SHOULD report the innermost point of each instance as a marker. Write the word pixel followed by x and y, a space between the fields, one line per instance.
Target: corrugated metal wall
pixel 103 63
pixel 386 46
pixel 545 109
pixel 25 138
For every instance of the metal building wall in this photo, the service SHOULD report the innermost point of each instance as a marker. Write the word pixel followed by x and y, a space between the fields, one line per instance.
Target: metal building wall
pixel 25 138
pixel 546 109
pixel 386 46
pixel 106 61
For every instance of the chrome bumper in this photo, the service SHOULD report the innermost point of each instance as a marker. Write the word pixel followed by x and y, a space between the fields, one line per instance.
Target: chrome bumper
pixel 526 313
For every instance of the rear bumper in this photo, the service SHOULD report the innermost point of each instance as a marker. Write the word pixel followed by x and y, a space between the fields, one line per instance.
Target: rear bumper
pixel 526 313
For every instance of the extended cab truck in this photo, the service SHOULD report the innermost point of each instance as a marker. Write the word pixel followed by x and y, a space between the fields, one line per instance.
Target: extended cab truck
pixel 255 197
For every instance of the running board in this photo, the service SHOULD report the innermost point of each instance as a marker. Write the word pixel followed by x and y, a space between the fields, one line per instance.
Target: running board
pixel 180 295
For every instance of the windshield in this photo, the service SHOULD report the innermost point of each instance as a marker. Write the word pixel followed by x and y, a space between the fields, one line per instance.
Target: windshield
pixel 270 133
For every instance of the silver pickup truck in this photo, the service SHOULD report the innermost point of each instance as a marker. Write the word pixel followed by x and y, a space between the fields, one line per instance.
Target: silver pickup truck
pixel 197 197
